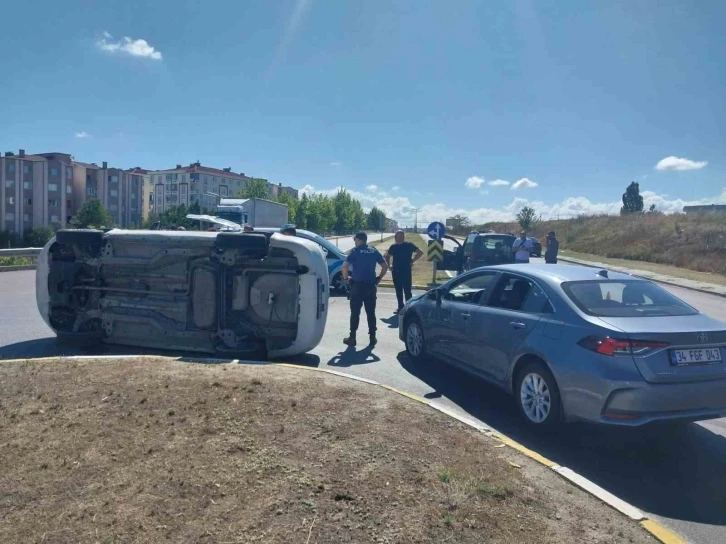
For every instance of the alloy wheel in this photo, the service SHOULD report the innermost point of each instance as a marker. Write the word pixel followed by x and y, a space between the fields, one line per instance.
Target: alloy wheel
pixel 535 398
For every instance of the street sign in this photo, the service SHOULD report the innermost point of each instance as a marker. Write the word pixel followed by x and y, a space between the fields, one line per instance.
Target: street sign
pixel 436 230
pixel 435 251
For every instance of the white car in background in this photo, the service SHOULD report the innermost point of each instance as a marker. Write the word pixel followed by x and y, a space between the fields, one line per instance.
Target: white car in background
pixel 228 293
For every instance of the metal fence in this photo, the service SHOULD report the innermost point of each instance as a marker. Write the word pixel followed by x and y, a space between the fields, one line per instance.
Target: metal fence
pixel 27 252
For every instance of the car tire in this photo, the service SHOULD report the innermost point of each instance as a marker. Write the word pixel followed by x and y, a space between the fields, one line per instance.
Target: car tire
pixel 251 244
pixel 338 284
pixel 414 340
pixel 537 396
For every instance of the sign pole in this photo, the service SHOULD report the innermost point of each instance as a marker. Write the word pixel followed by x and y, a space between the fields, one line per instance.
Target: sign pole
pixel 433 277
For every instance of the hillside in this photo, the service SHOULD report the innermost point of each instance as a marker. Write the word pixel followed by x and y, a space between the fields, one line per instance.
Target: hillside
pixel 696 242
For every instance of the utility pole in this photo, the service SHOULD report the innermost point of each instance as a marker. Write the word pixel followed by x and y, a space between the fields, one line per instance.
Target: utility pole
pixel 415 221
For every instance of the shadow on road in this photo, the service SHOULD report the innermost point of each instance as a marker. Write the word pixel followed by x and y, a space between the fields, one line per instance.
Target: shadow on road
pixel 351 357
pixel 675 473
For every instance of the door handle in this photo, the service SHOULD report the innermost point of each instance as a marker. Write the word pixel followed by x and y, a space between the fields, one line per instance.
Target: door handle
pixel 466 315
pixel 517 325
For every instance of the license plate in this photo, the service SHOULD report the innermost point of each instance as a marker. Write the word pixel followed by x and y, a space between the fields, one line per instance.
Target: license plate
pixel 695 356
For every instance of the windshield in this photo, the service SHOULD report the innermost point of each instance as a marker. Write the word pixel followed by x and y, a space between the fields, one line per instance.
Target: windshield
pixel 636 298
pixel 494 242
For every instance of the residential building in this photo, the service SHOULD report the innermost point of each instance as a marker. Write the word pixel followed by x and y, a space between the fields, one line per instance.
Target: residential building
pixel 147 190
pixel 119 191
pixel 35 190
pixel 708 208
pixel 277 190
pixel 194 183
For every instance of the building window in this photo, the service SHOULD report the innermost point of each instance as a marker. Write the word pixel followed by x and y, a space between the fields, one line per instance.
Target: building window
pixel 26 169
pixel 113 192
pixel 168 177
pixel 10 216
pixel 54 219
pixel 28 185
pixel 174 188
pixel 133 196
pixel 28 201
pixel 26 217
pixel 69 172
pixel 113 207
pixel 9 184
pixel 91 191
pixel 11 166
pixel 52 186
pixel 53 202
pixel 53 171
pixel 113 179
pixel 68 204
pixel 11 200
pixel 184 178
pixel 69 189
pixel 206 179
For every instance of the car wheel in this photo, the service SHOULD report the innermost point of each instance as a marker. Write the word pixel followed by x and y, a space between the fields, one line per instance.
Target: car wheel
pixel 254 245
pixel 338 283
pixel 537 395
pixel 414 339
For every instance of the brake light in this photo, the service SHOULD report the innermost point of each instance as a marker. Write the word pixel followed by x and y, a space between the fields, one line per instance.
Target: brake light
pixel 613 346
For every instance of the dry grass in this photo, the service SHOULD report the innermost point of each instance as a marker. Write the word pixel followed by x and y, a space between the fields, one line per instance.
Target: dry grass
pixel 695 242
pixel 157 450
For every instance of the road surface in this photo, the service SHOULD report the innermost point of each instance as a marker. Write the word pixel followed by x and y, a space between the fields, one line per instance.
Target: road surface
pixel 679 479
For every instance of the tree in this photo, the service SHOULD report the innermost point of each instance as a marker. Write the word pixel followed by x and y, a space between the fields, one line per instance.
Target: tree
pixel 92 214
pixel 527 218
pixel 460 223
pixel 292 203
pixel 39 236
pixel 376 219
pixel 258 188
pixel 632 201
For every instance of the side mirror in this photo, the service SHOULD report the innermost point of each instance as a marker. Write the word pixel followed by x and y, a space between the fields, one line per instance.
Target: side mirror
pixel 433 294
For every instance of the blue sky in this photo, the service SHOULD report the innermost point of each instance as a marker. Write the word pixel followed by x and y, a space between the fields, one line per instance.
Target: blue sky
pixel 405 103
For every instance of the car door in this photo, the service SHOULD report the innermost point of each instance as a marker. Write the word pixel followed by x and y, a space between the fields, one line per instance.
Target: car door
pixel 453 259
pixel 452 324
pixel 508 316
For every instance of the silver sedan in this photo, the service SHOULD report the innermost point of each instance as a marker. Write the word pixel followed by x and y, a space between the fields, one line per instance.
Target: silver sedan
pixel 575 343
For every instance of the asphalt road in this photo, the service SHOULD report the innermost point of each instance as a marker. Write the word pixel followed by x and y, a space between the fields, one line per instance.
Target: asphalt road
pixel 678 478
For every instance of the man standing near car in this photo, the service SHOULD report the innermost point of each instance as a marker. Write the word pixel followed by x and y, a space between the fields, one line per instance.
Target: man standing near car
pixel 553 248
pixel 402 253
pixel 363 285
pixel 522 248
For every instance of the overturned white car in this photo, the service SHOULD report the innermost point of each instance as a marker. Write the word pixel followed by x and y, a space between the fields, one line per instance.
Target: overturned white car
pixel 229 293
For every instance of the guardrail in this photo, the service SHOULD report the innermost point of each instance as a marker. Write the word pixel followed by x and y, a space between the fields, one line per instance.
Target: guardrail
pixel 28 252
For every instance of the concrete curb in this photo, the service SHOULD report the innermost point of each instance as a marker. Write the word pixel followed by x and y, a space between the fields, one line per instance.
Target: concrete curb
pixel 654 528
pixel 665 282
pixel 14 268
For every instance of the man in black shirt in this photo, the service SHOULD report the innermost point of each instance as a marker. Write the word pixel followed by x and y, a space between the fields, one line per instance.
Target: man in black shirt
pixel 402 252
pixel 553 248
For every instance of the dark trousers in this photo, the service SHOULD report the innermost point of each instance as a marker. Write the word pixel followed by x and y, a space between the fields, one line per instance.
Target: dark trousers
pixel 362 294
pixel 402 282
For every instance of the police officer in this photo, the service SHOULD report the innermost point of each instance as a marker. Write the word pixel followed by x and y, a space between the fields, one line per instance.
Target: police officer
pixel 363 285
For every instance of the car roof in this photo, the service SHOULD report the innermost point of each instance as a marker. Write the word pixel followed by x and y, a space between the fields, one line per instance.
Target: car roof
pixel 557 274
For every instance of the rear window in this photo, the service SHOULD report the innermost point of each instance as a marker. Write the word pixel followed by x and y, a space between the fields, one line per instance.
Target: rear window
pixel 636 298
pixel 494 242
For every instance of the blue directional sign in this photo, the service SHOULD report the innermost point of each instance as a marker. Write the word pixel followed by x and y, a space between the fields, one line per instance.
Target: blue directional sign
pixel 436 230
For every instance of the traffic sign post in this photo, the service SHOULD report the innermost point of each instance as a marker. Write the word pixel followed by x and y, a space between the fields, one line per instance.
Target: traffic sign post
pixel 435 254
pixel 436 230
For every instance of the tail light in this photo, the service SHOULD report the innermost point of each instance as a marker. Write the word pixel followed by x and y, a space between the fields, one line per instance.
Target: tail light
pixel 615 346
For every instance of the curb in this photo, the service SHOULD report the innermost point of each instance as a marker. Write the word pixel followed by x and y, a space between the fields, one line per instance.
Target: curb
pixel 14 268
pixel 652 527
pixel 671 283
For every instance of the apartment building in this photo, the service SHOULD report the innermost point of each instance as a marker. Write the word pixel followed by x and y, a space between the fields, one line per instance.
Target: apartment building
pixel 277 190
pixel 118 190
pixel 35 190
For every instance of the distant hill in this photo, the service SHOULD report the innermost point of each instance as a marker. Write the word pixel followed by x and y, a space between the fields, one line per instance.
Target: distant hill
pixel 696 242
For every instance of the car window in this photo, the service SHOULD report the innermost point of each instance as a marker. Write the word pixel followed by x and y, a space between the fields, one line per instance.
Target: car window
pixel 628 298
pixel 511 294
pixel 537 302
pixel 471 289
pixel 494 242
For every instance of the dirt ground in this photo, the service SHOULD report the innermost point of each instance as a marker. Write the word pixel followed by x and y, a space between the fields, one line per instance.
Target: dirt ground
pixel 160 450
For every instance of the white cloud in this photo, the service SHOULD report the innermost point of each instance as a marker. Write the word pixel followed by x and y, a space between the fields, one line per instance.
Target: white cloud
pixel 401 209
pixel 677 163
pixel 82 134
pixel 336 163
pixel 524 182
pixel 372 188
pixel 499 183
pixel 128 46
pixel 474 182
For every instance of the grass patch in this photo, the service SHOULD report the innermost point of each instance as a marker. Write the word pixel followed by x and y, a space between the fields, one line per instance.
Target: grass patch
pixel 16 261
